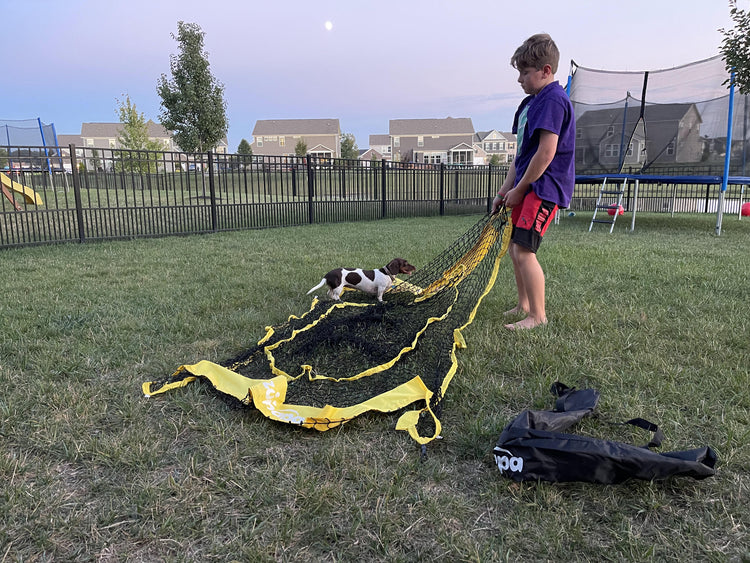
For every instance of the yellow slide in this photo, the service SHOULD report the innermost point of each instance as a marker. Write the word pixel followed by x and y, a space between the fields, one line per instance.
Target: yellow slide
pixel 29 195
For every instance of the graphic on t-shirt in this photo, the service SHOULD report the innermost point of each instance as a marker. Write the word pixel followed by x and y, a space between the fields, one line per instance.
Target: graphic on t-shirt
pixel 521 127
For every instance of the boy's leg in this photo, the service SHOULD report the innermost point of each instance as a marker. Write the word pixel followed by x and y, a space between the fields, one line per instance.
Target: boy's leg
pixel 522 306
pixel 532 283
pixel 530 222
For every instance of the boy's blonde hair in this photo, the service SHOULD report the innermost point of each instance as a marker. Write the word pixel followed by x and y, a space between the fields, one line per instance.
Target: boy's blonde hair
pixel 537 51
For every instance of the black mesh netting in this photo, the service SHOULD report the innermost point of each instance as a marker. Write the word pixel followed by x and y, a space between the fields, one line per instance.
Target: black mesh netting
pixel 343 354
pixel 659 120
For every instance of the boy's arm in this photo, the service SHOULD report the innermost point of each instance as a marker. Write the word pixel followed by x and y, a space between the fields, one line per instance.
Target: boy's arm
pixel 507 185
pixel 538 164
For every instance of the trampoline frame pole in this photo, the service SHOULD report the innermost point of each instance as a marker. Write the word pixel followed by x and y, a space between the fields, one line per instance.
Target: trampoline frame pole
pixel 727 156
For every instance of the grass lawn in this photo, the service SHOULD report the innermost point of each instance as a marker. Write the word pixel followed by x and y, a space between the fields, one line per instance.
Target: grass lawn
pixel 656 319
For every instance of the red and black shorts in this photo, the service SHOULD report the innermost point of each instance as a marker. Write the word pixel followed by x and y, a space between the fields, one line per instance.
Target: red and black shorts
pixel 530 221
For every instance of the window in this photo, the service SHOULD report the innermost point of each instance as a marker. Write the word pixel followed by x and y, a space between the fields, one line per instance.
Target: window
pixel 112 143
pixel 89 142
pixel 259 141
pixel 396 142
pixel 579 134
pixel 611 150
pixel 610 131
pixel 420 141
pixel 282 142
pixel 501 146
pixel 671 148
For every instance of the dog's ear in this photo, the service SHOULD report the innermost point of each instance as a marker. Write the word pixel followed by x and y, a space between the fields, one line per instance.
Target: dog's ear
pixel 401 266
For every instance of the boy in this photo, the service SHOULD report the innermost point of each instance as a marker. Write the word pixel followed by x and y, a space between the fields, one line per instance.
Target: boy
pixel 542 176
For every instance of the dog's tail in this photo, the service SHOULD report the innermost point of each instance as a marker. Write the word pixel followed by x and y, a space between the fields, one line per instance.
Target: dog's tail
pixel 321 284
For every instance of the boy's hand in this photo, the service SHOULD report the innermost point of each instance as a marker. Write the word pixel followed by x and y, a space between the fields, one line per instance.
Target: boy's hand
pixel 515 196
pixel 497 203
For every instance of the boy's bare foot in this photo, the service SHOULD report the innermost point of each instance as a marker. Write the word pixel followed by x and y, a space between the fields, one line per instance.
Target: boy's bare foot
pixel 526 323
pixel 517 310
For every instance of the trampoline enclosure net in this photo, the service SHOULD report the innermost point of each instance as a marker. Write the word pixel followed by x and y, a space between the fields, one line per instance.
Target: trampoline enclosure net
pixel 26 133
pixel 657 121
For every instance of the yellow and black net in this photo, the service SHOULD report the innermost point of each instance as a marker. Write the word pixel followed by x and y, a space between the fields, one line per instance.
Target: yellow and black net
pixel 341 359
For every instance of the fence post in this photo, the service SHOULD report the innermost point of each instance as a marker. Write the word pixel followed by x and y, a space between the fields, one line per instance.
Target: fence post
pixel 77 192
pixel 455 184
pixel 294 177
pixel 310 189
pixel 708 196
pixel 212 191
pixel 490 195
pixel 442 188
pixel 383 206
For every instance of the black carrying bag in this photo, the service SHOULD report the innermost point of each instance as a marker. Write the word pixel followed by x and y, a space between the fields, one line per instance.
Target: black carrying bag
pixel 533 447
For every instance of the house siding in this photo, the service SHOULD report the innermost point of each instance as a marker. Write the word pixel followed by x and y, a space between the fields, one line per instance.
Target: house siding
pixel 279 137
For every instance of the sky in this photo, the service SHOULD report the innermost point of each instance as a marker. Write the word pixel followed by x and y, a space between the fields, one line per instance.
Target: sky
pixel 70 62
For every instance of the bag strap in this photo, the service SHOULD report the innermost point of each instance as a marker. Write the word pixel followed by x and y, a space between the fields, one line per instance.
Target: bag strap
pixel 658 435
pixel 559 390
pixel 562 392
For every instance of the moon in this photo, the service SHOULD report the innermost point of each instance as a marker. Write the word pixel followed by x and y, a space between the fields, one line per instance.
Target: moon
pixel 329 26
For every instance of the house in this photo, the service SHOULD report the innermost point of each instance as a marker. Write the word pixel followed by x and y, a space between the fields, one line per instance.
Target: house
pixel 279 137
pixel 64 142
pixel 668 134
pixel 382 145
pixel 369 155
pixel 432 141
pixel 105 135
pixel 496 143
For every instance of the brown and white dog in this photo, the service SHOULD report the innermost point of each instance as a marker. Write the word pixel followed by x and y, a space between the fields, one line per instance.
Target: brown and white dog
pixel 369 281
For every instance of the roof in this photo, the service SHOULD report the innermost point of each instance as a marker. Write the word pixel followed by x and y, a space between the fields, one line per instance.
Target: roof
pixel 614 116
pixel 446 126
pixel 461 147
pixel 65 140
pixel 482 135
pixel 369 154
pixel 380 139
pixel 327 126
pixel 320 148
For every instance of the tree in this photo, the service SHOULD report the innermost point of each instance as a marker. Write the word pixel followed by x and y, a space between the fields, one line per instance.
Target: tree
pixel 244 147
pixel 193 103
pixel 494 160
pixel 735 47
pixel 300 149
pixel 349 146
pixel 134 136
pixel 96 162
pixel 245 152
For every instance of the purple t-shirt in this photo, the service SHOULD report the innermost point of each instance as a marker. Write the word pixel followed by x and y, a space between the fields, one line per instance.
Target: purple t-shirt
pixel 552 111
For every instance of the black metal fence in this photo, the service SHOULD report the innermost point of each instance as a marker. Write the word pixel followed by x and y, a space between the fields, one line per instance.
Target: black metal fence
pixel 78 194
pixel 83 194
